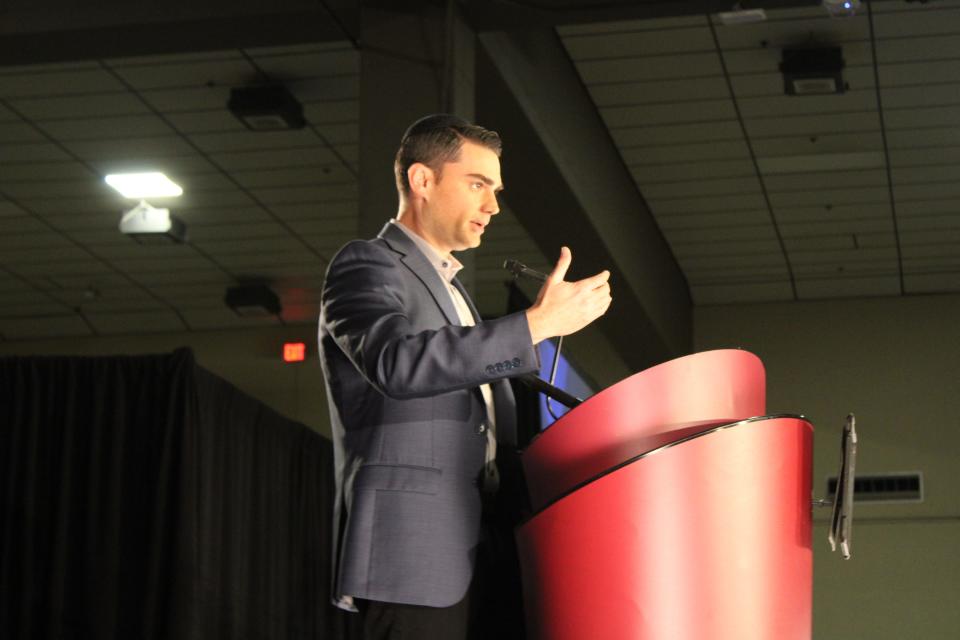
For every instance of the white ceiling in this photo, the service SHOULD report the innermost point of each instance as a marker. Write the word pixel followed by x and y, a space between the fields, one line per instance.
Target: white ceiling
pixel 697 110
pixel 764 196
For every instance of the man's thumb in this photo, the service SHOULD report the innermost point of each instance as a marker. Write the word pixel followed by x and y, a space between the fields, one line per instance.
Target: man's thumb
pixel 563 263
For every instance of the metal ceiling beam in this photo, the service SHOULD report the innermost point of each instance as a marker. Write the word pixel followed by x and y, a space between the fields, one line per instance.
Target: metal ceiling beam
pixel 59 34
pixel 568 185
pixel 494 15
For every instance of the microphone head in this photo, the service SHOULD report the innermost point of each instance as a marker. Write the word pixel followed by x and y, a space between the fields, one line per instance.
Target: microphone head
pixel 513 266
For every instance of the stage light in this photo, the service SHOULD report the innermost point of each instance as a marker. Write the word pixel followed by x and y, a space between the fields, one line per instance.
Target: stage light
pixel 266 108
pixel 144 185
pixel 253 301
pixel 812 71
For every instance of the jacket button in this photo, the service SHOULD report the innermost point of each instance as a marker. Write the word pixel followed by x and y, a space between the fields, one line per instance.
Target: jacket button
pixel 481 428
pixel 516 363
pixel 490 369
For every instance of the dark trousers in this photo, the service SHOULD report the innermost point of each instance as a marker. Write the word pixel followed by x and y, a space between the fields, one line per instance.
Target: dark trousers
pixel 393 621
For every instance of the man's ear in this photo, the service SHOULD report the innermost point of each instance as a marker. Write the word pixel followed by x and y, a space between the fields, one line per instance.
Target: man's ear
pixel 420 177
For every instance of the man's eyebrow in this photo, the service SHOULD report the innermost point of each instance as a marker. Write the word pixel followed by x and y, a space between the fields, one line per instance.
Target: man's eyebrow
pixel 486 180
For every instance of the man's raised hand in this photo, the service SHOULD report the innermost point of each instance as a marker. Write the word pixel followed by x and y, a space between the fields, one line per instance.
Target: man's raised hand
pixel 565 307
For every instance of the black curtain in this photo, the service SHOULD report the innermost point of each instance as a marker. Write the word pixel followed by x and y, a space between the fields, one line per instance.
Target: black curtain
pixel 143 497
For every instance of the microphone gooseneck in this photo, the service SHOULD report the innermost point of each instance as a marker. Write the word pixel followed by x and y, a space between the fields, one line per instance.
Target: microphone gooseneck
pixel 518 269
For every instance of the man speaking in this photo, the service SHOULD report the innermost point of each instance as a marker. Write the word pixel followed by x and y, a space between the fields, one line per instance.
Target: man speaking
pixel 417 385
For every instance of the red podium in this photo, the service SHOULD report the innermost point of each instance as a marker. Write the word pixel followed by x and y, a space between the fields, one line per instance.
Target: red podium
pixel 668 507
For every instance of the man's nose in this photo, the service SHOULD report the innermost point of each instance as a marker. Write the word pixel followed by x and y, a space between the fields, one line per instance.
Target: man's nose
pixel 491 206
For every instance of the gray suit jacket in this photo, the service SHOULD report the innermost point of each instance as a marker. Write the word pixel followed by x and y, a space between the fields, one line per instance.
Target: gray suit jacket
pixel 407 415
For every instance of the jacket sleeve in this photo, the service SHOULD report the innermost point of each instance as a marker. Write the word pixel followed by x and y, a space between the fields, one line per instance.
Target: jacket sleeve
pixel 365 309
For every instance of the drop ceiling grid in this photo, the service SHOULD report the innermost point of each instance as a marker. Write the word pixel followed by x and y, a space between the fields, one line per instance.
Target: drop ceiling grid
pixel 287 182
pixel 664 98
pixel 919 72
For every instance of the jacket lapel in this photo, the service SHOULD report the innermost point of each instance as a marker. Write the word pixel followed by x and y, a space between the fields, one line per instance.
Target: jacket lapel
pixel 413 259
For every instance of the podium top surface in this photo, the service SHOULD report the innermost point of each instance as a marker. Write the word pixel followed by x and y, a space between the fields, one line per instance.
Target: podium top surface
pixel 699 390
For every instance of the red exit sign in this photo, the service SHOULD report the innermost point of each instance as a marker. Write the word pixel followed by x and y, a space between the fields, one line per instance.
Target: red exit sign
pixel 294 351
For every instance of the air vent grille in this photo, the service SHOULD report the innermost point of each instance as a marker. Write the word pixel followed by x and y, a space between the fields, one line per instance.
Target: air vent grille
pixel 883 487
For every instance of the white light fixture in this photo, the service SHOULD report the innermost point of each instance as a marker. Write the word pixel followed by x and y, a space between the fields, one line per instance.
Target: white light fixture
pixel 144 185
pixel 742 16
pixel 148 225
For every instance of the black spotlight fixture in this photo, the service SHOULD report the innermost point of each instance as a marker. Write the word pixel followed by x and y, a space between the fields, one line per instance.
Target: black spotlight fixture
pixel 266 108
pixel 812 71
pixel 253 301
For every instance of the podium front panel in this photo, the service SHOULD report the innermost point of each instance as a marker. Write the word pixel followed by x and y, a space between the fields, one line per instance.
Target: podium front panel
pixel 705 539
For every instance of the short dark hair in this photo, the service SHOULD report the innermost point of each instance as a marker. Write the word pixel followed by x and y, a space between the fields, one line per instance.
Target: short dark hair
pixel 437 139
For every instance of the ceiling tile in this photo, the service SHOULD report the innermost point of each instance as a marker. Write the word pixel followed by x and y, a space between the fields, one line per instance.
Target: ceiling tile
pixel 137 322
pixel 916 23
pixel 820 143
pixel 943 282
pixel 825 180
pixel 794 32
pixel 104 128
pixel 685 153
pixel 57 83
pixel 669 135
pixel 27 171
pixel 696 188
pixel 739 292
pixel 336 62
pixel 253 140
pixel 703 205
pixel 639 43
pixel 187 98
pixel 784 105
pixel 222 72
pixel 19 132
pixel 66 107
pixel 853 287
pixel 669 113
pixel 782 126
pixel 660 91
pixel 648 174
pixel 922 72
pixel 831 197
pixel 653 24
pixel 332 111
pixel 32 152
pixel 688 65
pixel 134 149
pixel 842 212
pixel 209 121
pixel 295 176
pixel 712 219
pixel 275 158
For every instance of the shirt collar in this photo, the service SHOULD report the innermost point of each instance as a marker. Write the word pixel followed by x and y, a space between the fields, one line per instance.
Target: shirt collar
pixel 447 266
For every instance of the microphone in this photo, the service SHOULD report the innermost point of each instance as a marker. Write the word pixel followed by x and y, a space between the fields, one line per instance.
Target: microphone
pixel 518 269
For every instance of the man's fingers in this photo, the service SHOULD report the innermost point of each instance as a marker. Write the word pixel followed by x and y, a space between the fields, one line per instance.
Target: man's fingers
pixel 595 281
pixel 563 263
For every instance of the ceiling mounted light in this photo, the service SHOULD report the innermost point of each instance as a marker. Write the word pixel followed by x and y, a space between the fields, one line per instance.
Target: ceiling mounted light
pixel 144 185
pixel 253 301
pixel 842 8
pixel 149 225
pixel 266 108
pixel 812 71
pixel 742 16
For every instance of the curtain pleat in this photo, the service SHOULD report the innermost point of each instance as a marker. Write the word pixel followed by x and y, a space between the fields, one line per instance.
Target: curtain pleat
pixel 143 497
